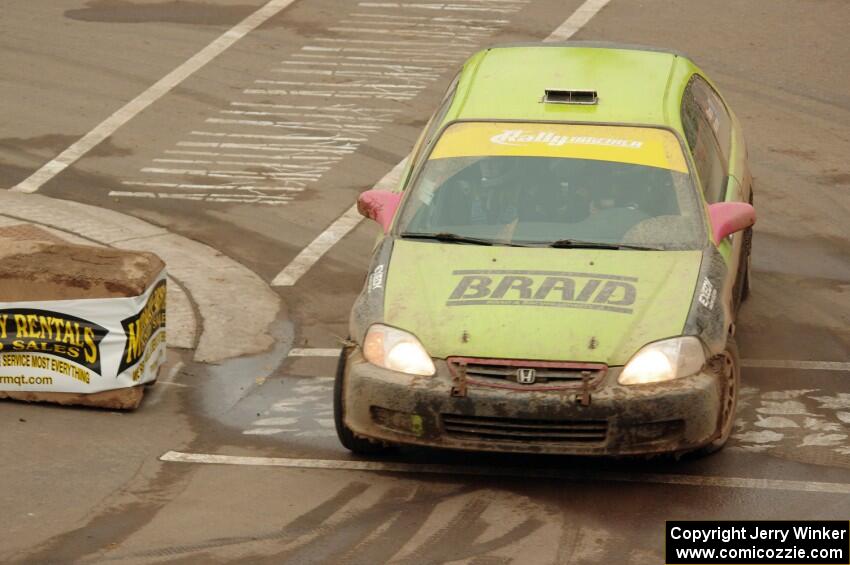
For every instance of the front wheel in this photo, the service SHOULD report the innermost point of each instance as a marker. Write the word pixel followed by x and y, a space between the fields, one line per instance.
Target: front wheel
pixel 729 370
pixel 353 443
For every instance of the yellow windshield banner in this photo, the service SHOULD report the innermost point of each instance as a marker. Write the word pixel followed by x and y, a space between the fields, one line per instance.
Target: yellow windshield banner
pixel 622 144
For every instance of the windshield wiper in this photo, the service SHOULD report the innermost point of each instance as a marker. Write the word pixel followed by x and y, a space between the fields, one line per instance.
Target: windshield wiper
pixel 449 237
pixel 457 238
pixel 579 244
pixel 561 243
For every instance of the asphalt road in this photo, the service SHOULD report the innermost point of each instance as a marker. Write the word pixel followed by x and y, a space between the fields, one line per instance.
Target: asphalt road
pixel 260 150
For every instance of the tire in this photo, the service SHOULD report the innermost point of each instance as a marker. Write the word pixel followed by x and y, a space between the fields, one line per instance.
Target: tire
pixel 730 370
pixel 353 443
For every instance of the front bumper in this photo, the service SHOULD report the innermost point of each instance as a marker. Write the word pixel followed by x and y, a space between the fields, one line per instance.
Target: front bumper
pixel 405 409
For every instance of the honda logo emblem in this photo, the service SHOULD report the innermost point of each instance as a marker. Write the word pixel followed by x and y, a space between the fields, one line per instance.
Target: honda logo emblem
pixel 526 376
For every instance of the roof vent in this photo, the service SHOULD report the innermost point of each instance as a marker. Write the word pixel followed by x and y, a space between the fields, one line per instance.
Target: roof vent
pixel 559 96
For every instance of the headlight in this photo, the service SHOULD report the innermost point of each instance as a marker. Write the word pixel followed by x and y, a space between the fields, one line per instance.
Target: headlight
pixel 664 361
pixel 396 350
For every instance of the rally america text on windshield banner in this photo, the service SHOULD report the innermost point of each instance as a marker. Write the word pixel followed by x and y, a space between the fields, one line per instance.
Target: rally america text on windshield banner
pixel 651 147
pixel 85 345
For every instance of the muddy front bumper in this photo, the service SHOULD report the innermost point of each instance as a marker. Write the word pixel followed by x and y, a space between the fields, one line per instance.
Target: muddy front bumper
pixel 618 420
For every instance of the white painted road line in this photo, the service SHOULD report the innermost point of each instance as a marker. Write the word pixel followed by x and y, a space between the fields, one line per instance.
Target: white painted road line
pixel 578 20
pixel 328 238
pixel 805 365
pixel 149 96
pixel 155 393
pixel 520 472
pixel 314 352
pixel 317 248
pixel 345 223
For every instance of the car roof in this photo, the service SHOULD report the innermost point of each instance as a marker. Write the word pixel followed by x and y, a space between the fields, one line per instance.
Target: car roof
pixel 635 84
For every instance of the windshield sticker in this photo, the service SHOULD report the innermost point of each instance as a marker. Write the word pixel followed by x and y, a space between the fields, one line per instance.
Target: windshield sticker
pixel 518 137
pixel 651 147
pixel 611 293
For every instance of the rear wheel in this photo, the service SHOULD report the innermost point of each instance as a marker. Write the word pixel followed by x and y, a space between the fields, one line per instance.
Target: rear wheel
pixel 353 443
pixel 729 370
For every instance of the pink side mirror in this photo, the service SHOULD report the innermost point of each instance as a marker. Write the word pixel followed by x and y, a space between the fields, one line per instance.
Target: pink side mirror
pixel 730 217
pixel 379 205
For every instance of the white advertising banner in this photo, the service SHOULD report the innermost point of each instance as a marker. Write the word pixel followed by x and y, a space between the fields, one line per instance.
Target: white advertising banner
pixel 83 346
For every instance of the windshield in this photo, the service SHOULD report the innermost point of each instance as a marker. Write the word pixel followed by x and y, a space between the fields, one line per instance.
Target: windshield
pixel 539 184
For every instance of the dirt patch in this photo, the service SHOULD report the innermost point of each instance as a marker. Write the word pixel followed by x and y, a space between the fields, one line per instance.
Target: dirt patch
pixel 29 232
pixel 799 153
pixel 178 12
pixel 834 179
pixel 56 142
pixel 40 270
pixel 118 399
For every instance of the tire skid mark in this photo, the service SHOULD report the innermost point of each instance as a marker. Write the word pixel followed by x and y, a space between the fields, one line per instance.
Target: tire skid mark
pixel 456 539
pixel 380 549
pixel 306 524
pixel 343 538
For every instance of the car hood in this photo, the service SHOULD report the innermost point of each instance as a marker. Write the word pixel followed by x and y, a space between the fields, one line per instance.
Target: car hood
pixel 538 303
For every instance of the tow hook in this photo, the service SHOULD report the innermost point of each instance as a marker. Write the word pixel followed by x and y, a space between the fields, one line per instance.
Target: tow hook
pixel 583 399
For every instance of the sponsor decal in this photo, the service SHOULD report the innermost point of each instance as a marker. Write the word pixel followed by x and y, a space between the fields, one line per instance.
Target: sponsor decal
pixel 376 279
pixel 517 137
pixel 707 294
pixel 55 333
pixel 611 293
pixel 140 327
pixel 646 146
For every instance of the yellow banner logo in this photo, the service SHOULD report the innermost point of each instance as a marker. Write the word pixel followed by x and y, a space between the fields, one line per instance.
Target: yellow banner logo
pixel 651 147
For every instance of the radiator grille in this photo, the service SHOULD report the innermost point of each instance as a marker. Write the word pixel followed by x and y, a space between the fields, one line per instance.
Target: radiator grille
pixel 523 430
pixel 547 374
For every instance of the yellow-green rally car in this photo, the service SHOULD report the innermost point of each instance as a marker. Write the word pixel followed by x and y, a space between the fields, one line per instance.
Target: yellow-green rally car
pixel 561 265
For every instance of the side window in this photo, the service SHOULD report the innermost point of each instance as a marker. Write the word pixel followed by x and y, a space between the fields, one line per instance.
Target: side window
pixel 702 141
pixel 715 113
